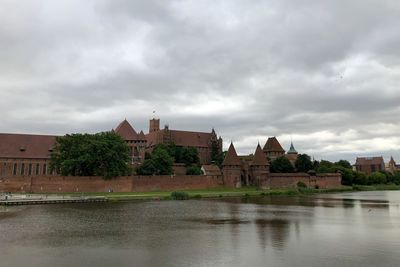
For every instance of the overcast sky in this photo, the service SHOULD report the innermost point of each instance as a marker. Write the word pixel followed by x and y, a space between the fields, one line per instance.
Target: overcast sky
pixel 324 73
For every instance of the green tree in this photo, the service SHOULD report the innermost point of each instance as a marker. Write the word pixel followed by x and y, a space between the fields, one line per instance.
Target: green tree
pixel 344 164
pixel 159 162
pixel 377 178
pixel 190 156
pixel 281 164
pixel 103 154
pixel 360 178
pixel 303 163
pixel 193 170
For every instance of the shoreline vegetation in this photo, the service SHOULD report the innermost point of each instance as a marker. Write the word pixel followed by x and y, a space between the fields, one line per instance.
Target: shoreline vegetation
pixel 224 192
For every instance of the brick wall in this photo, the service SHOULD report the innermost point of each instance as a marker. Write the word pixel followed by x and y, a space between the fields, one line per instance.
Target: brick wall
pixel 60 184
pixel 325 180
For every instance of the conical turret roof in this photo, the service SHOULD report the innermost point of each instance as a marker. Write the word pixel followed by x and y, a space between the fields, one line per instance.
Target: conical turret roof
pixel 231 157
pixel 273 144
pixel 291 149
pixel 259 158
pixel 126 131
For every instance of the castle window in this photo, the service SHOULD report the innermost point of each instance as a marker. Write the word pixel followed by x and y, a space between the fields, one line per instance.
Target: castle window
pixel 15 169
pixel 22 168
pixel 44 169
pixel 37 168
pixel 30 169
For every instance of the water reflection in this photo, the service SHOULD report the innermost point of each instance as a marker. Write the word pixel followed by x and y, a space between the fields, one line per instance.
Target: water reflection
pixel 358 229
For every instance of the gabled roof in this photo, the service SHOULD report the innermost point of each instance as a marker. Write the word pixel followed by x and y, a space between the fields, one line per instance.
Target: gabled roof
pixel 126 131
pixel 259 158
pixel 370 161
pixel 273 144
pixel 392 161
pixel 26 146
pixel 231 157
pixel 291 149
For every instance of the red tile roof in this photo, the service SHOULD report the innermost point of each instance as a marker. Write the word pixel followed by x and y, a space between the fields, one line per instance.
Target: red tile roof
pixel 26 146
pixel 273 144
pixel 126 131
pixel 259 157
pixel 370 161
pixel 231 157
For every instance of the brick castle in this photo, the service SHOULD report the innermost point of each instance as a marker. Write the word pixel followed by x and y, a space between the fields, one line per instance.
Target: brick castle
pixel 24 159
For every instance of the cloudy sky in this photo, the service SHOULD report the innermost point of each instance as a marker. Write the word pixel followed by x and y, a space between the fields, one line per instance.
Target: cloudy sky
pixel 324 73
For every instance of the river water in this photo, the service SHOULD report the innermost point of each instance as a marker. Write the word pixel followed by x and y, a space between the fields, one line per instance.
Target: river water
pixel 346 229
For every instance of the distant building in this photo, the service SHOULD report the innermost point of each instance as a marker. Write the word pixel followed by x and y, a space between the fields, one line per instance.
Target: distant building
pixel 392 166
pixel 202 141
pixel 369 165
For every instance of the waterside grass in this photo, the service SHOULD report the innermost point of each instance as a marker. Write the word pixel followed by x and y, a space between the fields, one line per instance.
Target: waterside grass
pixel 224 192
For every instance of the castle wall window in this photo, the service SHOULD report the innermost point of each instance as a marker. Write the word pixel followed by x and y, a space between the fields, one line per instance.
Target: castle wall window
pixel 22 168
pixel 37 169
pixel 30 169
pixel 15 169
pixel 44 169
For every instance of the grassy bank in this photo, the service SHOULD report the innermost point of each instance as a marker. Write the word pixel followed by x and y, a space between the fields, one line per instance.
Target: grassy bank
pixel 223 192
pixel 218 192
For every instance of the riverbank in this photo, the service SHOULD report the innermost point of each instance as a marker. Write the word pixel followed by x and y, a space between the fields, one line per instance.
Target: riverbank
pixel 224 192
pixel 220 192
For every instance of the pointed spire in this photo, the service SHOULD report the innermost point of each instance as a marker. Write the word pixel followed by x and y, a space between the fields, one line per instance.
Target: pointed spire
pixel 231 157
pixel 259 158
pixel 291 149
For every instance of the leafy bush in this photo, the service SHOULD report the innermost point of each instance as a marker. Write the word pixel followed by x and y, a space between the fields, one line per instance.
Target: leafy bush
pixel 178 195
pixel 193 170
pixel 301 185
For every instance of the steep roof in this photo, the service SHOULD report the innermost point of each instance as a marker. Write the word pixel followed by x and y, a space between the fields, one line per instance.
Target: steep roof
pixel 291 149
pixel 392 161
pixel 370 161
pixel 27 146
pixel 259 158
pixel 231 157
pixel 126 131
pixel 273 144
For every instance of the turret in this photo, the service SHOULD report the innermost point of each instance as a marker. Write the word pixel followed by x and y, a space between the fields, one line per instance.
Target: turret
pixel 259 168
pixel 232 168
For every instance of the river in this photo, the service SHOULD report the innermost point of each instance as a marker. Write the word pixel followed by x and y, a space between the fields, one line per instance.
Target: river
pixel 345 229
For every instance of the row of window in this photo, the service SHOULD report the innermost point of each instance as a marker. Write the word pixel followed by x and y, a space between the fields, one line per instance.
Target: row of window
pixel 28 169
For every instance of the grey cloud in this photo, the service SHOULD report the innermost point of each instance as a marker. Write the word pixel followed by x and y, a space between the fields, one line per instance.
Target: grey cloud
pixel 302 68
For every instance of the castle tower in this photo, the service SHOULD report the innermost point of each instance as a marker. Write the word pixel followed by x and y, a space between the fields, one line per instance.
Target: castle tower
pixel 292 154
pixel 154 125
pixel 232 168
pixel 259 168
pixel 392 165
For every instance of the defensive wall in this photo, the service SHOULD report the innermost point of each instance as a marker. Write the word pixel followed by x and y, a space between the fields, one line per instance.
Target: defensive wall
pixel 66 184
